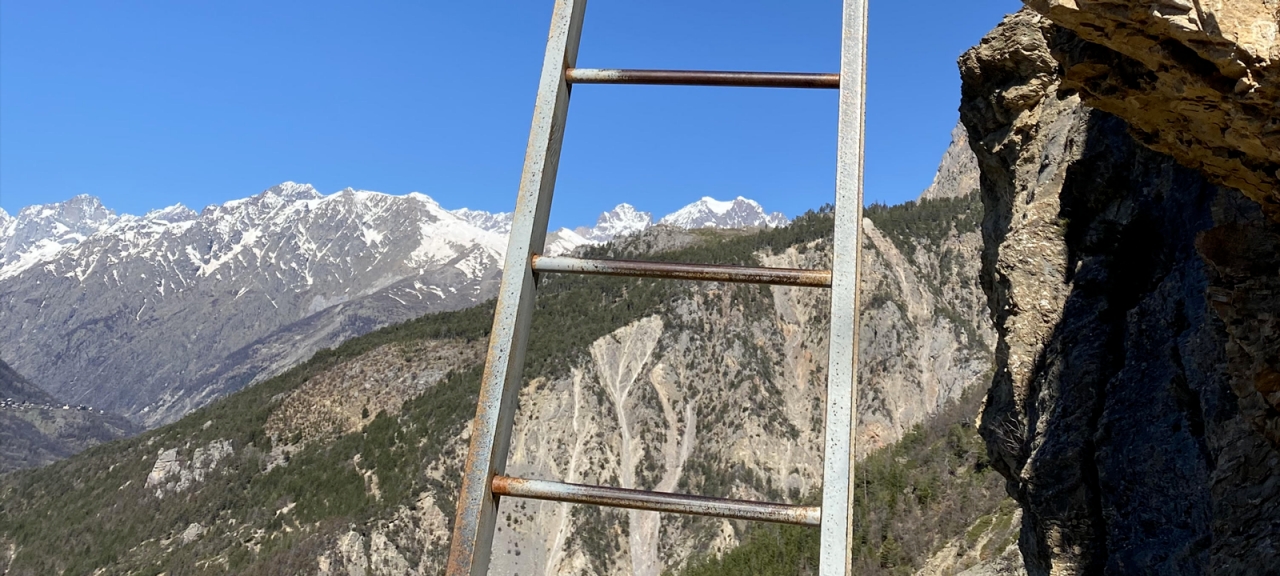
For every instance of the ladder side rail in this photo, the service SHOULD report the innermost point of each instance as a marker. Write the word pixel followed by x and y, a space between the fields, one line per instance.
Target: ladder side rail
pixel 842 370
pixel 477 507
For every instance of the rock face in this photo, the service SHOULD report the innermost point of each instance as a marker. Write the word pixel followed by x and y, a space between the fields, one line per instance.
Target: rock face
pixel 1196 79
pixel 668 401
pixel 1134 407
pixel 958 172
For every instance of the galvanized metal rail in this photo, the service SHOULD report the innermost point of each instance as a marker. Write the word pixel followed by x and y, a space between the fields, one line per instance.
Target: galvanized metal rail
pixel 702 78
pixel 484 480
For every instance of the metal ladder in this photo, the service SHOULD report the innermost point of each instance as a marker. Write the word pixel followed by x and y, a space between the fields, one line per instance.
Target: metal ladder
pixel 484 481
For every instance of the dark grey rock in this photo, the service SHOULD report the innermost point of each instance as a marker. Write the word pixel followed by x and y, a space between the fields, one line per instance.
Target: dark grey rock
pixel 1130 409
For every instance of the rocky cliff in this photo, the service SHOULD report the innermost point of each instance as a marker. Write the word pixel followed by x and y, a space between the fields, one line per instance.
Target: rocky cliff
pixel 1134 406
pixel 1196 79
pixel 958 172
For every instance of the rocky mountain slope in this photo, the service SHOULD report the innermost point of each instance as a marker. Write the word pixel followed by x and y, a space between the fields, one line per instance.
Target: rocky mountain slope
pixel 141 316
pixel 36 429
pixel 349 462
pixel 958 172
pixel 154 316
pixel 1133 411
pixel 38 233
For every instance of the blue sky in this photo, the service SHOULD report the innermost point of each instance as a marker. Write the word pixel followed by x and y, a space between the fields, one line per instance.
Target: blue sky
pixel 146 104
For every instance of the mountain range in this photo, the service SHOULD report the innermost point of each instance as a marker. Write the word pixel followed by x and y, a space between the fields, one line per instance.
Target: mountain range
pixel 152 316
pixel 348 463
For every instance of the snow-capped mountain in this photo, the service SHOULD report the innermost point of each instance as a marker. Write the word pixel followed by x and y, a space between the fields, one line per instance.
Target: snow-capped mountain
pixel 38 233
pixel 499 223
pixel 563 241
pixel 711 213
pixel 622 220
pixel 626 219
pixel 152 316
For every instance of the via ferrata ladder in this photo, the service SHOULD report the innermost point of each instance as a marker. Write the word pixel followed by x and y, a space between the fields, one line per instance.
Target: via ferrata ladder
pixel 484 481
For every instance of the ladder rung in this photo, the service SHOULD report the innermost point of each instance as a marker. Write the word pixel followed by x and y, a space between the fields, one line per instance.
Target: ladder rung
pixel 676 271
pixel 702 78
pixel 658 501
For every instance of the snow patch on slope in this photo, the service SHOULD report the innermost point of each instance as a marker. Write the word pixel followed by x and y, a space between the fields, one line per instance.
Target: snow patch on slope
pixel 41 232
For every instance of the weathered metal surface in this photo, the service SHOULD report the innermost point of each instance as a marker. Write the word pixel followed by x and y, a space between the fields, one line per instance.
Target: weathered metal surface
pixel 703 78
pixel 658 501
pixel 842 367
pixel 677 271
pixel 477 507
pixel 483 478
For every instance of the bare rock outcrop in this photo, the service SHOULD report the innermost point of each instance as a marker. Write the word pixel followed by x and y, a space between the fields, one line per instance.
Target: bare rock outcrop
pixel 1196 79
pixel 957 174
pixel 1134 407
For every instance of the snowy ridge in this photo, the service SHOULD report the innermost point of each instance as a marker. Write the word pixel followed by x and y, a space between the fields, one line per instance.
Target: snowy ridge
pixel 625 219
pixel 711 213
pixel 41 232
pixel 622 220
pixel 45 233
pixel 280 215
pixel 499 223
pixel 174 308
pixel 564 241
pixel 174 296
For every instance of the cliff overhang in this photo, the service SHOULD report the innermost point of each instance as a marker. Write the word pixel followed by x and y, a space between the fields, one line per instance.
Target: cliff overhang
pixel 1198 80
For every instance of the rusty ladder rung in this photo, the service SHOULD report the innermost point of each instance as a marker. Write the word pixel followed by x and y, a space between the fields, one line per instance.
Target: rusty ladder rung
pixel 702 78
pixel 681 271
pixel 658 501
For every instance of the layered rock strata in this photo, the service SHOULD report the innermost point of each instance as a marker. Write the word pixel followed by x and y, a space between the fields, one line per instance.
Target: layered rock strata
pixel 1196 79
pixel 1134 407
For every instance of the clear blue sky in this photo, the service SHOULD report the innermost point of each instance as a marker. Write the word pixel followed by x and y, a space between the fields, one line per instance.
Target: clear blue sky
pixel 146 104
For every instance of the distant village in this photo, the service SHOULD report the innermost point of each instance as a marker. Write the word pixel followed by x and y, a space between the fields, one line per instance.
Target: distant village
pixel 11 404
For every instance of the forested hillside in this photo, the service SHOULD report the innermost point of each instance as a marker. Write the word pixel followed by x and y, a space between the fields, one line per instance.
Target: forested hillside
pixel 350 460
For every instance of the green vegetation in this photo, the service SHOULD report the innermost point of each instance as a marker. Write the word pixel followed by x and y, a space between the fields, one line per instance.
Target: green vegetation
pixel 927 222
pixel 924 225
pixel 94 511
pixel 911 498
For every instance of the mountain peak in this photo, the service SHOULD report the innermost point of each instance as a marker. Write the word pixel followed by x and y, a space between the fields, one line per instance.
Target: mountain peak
pixel 622 220
pixel 496 222
pixel 171 214
pixel 40 232
pixel 293 191
pixel 77 209
pixel 958 171
pixel 708 212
